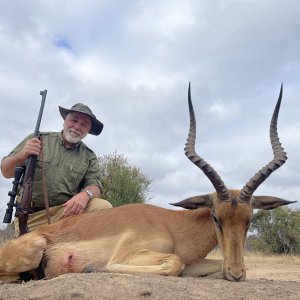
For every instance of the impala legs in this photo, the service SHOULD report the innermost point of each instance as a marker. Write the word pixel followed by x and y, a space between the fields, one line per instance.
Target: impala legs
pixel 21 254
pixel 78 258
pixel 146 261
pixel 204 267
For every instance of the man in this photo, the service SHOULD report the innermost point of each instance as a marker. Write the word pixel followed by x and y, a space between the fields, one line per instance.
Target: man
pixel 69 169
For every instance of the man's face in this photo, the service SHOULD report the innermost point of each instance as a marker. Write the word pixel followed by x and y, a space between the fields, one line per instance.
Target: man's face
pixel 76 127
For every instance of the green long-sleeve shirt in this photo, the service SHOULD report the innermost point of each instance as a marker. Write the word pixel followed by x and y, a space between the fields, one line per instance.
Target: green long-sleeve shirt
pixel 67 171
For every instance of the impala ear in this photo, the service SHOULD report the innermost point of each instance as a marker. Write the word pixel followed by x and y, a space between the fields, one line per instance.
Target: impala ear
pixel 268 202
pixel 195 202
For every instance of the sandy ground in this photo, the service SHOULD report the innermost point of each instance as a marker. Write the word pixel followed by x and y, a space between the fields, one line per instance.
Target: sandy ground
pixel 271 283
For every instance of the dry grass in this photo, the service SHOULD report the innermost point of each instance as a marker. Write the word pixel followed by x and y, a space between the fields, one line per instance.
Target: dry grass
pixel 264 260
pixel 6 234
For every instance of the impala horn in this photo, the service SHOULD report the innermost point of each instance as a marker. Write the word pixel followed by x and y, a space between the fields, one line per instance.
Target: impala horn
pixel 278 160
pixel 190 152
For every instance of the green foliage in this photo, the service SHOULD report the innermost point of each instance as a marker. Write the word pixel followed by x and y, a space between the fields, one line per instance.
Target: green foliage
pixel 276 231
pixel 122 183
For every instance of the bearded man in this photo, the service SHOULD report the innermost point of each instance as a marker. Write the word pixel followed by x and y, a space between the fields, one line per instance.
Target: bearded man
pixel 65 166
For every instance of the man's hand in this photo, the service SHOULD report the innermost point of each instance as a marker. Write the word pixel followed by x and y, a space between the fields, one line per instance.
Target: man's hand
pixel 9 163
pixel 31 147
pixel 76 204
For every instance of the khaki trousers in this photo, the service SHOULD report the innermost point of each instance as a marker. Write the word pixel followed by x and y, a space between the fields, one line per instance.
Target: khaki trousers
pixel 56 213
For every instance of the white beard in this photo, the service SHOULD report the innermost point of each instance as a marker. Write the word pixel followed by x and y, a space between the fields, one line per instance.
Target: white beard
pixel 72 136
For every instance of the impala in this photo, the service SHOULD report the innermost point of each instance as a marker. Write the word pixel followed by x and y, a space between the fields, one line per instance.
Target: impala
pixel 142 238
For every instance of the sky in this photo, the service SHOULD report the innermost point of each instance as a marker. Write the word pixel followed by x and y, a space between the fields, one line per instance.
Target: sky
pixel 131 63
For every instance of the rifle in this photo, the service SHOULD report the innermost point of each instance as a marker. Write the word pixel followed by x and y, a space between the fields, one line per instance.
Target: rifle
pixel 19 171
pixel 24 176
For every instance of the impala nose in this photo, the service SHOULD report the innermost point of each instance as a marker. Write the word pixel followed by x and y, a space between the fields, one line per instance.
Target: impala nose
pixel 235 275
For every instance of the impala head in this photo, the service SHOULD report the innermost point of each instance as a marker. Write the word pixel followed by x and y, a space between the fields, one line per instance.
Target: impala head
pixel 231 210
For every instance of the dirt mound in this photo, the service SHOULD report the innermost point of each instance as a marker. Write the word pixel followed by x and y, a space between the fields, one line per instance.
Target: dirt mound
pixel 118 286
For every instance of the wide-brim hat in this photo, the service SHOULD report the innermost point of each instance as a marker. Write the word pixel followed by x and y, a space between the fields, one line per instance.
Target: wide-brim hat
pixel 97 126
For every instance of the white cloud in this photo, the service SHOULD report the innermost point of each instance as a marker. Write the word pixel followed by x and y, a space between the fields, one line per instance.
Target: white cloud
pixel 223 111
pixel 131 63
pixel 92 70
pixel 163 19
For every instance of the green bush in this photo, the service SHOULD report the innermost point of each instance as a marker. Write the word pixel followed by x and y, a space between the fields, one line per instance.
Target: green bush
pixel 122 183
pixel 276 231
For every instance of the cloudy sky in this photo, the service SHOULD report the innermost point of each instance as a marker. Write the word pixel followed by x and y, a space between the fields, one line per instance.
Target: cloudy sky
pixel 131 62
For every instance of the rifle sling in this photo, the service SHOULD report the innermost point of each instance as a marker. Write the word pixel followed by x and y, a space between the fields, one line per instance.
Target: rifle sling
pixel 44 185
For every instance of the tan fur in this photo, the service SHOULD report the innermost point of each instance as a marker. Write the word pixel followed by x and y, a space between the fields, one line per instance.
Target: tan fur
pixel 138 238
pixel 128 239
pixel 22 254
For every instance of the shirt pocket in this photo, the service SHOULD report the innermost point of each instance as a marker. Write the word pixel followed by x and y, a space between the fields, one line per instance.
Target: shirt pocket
pixel 76 175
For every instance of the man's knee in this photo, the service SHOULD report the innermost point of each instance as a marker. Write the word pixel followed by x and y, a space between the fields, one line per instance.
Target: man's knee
pixel 97 204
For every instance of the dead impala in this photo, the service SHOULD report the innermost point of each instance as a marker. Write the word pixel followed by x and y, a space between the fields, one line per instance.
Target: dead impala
pixel 142 238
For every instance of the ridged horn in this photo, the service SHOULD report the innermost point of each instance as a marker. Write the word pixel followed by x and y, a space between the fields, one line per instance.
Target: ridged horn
pixel 190 152
pixel 278 160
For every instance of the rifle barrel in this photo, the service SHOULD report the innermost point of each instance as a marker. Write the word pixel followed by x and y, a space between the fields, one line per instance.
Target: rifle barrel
pixel 38 123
